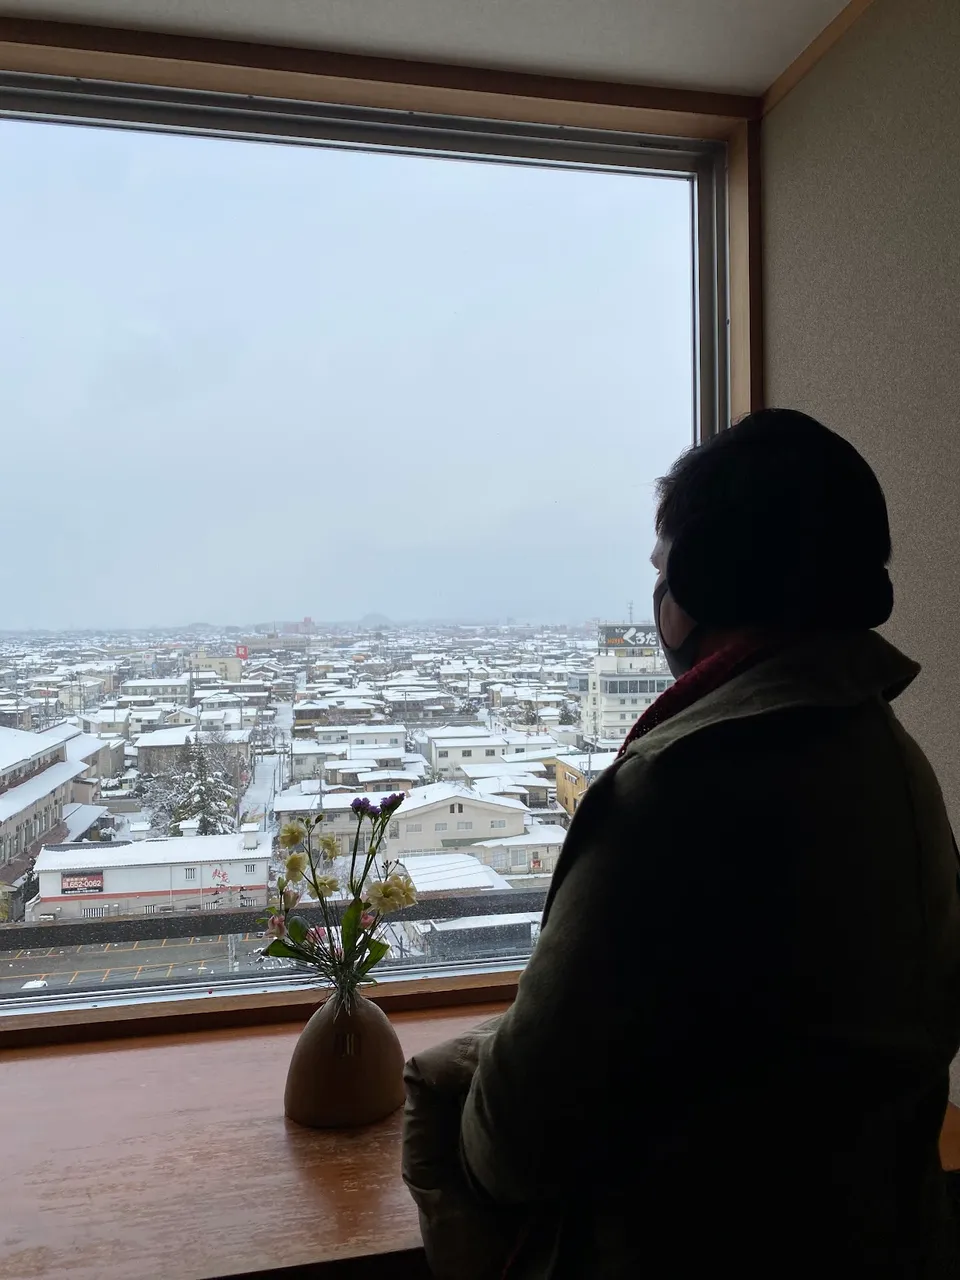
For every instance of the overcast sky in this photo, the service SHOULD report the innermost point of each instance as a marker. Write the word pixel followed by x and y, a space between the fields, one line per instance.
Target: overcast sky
pixel 242 382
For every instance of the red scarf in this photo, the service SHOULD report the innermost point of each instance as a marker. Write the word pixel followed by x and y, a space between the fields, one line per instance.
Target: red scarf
pixel 702 678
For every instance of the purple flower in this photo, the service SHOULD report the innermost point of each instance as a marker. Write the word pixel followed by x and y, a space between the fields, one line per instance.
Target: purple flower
pixel 388 805
pixel 363 808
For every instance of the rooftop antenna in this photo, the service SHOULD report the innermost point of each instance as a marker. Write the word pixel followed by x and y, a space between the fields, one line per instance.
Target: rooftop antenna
pixel 630 612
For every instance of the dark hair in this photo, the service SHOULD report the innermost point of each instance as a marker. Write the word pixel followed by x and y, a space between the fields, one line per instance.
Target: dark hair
pixel 777 521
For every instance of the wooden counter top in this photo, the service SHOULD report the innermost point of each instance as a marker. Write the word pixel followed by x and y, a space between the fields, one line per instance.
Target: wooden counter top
pixel 169 1158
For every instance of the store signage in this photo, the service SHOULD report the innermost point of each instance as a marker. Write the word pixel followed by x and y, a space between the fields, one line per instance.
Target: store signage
pixel 629 636
pixel 243 651
pixel 82 882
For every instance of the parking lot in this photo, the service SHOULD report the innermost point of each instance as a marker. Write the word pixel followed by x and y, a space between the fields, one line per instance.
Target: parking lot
pixel 122 963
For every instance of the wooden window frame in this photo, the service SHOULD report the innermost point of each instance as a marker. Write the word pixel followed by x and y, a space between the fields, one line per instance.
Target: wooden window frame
pixel 207 65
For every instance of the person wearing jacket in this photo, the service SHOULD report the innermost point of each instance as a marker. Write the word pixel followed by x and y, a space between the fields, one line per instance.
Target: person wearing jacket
pixel 729 1051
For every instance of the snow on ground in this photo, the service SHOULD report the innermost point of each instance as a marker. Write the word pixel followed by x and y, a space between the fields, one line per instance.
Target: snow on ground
pixel 257 798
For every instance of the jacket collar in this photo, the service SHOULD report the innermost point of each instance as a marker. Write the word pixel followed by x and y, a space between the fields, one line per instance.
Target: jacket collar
pixel 830 669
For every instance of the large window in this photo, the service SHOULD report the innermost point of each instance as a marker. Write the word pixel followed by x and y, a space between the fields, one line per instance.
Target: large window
pixel 330 457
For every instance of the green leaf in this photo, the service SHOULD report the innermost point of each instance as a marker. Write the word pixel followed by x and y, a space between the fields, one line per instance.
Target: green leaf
pixel 297 928
pixel 350 926
pixel 281 950
pixel 376 950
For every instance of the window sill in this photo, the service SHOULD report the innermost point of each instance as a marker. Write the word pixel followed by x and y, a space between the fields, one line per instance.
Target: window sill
pixel 212 1010
pixel 170 1156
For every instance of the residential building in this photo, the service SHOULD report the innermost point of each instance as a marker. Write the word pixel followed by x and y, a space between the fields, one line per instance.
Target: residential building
pixel 80 693
pixel 475 937
pixel 158 751
pixel 35 784
pixel 335 711
pixel 107 721
pixel 307 757
pixel 103 757
pixel 445 873
pixel 144 719
pixel 445 815
pixel 535 790
pixel 18 712
pixel 151 877
pixel 575 773
pixel 225 668
pixel 164 689
pixel 376 735
pixel 449 753
pixel 533 852
pixel 440 816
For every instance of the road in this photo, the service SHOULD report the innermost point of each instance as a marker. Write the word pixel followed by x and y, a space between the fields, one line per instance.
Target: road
pixel 105 964
pixel 256 802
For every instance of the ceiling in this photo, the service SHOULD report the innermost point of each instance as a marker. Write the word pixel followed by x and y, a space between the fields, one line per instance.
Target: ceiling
pixel 737 46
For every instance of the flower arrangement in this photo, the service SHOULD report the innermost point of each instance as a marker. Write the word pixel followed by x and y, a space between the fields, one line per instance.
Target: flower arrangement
pixel 348 945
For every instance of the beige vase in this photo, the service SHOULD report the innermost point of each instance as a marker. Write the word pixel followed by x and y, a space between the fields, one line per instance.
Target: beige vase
pixel 347 1068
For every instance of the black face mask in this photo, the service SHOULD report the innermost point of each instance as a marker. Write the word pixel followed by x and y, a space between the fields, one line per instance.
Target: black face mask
pixel 683 657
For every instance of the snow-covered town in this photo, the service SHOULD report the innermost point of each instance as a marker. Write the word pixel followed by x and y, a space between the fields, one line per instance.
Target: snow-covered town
pixel 150 775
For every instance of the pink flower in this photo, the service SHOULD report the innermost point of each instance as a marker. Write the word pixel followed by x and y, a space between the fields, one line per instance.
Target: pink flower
pixel 367 920
pixel 276 927
pixel 315 936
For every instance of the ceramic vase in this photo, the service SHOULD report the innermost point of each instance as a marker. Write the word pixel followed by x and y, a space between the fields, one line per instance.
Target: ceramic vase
pixel 347 1068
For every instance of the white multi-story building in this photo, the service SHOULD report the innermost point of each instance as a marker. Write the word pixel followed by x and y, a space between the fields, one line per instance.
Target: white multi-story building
pixel 168 688
pixel 628 673
pixel 376 735
pixel 150 877
pixel 440 816
pixel 35 783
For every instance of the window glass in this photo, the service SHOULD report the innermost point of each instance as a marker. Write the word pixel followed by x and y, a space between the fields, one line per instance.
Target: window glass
pixel 182 312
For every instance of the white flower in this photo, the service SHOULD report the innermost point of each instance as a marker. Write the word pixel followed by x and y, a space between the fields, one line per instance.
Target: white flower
pixel 326 885
pixel 296 864
pixel 403 887
pixel 382 897
pixel 392 894
pixel 291 897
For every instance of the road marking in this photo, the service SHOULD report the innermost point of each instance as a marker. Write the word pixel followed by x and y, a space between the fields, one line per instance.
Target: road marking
pixel 106 974
pixel 170 971
pixel 139 971
pixel 136 944
pixel 72 979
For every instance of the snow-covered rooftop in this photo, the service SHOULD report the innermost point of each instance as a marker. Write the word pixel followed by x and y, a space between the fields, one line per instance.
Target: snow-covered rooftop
pixel 446 872
pixel 177 736
pixel 477 922
pixel 445 792
pixel 79 818
pixel 398 730
pixel 17 747
pixel 540 833
pixel 173 850
pixel 30 792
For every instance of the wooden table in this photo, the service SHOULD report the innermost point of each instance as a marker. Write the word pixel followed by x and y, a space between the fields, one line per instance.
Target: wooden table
pixel 169 1158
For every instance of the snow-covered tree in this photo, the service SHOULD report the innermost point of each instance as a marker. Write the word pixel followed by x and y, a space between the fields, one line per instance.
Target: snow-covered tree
pixel 193 788
pixel 205 793
pixel 162 793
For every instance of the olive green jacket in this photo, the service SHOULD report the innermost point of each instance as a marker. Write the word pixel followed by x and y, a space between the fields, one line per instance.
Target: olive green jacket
pixel 731 1045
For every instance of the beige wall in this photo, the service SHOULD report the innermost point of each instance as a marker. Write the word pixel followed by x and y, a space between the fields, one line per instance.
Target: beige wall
pixel 862 308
